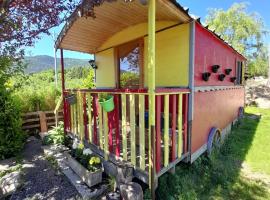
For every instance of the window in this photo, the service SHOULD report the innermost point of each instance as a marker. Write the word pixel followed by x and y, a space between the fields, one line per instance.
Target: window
pixel 130 65
pixel 239 72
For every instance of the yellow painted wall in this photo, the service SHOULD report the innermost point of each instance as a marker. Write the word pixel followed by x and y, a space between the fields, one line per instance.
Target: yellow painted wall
pixel 106 69
pixel 172 55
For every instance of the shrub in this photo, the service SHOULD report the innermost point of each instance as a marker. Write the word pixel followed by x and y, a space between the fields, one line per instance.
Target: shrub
pixel 11 134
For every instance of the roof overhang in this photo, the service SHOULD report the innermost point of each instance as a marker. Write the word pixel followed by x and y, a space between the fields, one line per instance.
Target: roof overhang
pixel 87 34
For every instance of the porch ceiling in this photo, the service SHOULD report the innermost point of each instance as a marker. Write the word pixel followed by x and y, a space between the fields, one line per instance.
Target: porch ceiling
pixel 87 34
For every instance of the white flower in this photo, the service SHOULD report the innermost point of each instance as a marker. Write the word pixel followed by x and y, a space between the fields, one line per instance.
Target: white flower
pixel 87 151
pixel 75 144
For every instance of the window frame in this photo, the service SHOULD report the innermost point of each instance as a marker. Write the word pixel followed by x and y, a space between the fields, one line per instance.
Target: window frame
pixel 140 43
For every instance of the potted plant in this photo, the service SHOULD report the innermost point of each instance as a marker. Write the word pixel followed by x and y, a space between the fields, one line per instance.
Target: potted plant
pixel 228 71
pixel 85 164
pixel 221 77
pixel 215 68
pixel 71 99
pixel 233 79
pixel 206 75
pixel 106 102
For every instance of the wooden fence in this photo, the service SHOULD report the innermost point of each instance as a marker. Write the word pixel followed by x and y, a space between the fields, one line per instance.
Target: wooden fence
pixel 40 121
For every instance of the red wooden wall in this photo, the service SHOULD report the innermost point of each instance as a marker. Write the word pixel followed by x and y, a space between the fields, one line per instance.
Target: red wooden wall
pixel 210 50
pixel 214 109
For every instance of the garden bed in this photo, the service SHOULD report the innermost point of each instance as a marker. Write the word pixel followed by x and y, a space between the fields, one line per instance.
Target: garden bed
pixel 89 178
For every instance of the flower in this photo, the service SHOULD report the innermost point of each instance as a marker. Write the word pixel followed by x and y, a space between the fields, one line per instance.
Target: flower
pixel 80 146
pixel 75 144
pixel 87 151
pixel 97 160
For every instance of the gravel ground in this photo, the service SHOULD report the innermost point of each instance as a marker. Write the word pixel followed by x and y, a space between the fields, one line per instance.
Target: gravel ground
pixel 41 181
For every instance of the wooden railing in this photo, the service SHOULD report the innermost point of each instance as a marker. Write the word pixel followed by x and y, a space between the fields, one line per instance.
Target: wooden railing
pixel 124 131
pixel 40 120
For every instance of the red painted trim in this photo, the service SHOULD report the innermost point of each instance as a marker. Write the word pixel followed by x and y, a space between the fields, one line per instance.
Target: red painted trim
pixel 110 90
pixel 94 104
pixel 63 88
pixel 110 125
pixel 165 90
pixel 143 90
pixel 117 133
pixel 85 118
pixel 173 153
pixel 158 133
pixel 185 104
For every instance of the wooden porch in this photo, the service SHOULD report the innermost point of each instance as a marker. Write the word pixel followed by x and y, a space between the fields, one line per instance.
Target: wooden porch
pixel 123 134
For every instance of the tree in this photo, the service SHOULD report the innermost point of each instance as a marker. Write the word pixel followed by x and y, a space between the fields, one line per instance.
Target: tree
pixel 244 31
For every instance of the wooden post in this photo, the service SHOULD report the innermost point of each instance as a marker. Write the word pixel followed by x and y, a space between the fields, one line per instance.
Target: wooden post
pixel 151 90
pixel 43 122
pixel 63 89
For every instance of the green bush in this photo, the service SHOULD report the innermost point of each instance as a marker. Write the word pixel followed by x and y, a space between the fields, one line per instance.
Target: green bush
pixel 11 134
pixel 55 136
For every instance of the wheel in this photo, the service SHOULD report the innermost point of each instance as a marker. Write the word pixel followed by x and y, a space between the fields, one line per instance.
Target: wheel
pixel 241 112
pixel 214 140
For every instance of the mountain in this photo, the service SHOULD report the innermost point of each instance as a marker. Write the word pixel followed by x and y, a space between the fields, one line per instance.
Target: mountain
pixel 43 62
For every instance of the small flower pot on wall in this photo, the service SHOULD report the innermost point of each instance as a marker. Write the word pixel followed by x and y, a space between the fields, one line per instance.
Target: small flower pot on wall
pixel 107 103
pixel 233 79
pixel 221 77
pixel 228 71
pixel 215 68
pixel 71 99
pixel 206 75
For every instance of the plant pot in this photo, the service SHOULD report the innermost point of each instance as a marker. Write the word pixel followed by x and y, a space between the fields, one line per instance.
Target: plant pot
pixel 206 75
pixel 71 99
pixel 221 77
pixel 228 71
pixel 89 178
pixel 108 104
pixel 215 68
pixel 233 79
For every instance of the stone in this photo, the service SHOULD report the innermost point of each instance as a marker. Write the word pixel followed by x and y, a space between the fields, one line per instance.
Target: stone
pixel 131 191
pixel 124 175
pixel 113 196
pixel 9 183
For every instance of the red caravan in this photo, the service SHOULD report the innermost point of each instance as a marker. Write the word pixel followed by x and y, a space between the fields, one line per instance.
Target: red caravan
pixel 195 77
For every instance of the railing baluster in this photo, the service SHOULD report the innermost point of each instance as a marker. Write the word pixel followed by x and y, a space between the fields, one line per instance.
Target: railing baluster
pixel 124 126
pixel 71 119
pixel 173 153
pixel 142 131
pixel 100 125
pixel 132 128
pixel 94 104
pixel 166 130
pixel 158 133
pixel 110 123
pixel 106 141
pixel 185 122
pixel 180 135
pixel 89 112
pixel 86 136
pixel 75 116
pixel 78 113
pixel 117 134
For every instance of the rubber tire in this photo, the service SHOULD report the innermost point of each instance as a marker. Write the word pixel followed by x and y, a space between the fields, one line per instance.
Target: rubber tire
pixel 241 112
pixel 214 139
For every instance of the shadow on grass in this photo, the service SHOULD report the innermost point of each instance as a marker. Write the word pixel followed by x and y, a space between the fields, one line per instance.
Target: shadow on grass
pixel 218 177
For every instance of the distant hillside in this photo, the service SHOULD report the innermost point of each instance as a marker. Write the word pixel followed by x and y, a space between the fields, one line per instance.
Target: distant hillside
pixel 43 62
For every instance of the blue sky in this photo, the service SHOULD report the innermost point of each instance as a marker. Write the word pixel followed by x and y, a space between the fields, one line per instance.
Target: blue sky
pixel 197 7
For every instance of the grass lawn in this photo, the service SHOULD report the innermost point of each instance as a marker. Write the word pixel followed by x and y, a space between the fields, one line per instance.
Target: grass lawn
pixel 240 170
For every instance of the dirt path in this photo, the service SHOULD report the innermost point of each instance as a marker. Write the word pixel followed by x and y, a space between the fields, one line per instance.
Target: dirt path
pixel 41 181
